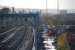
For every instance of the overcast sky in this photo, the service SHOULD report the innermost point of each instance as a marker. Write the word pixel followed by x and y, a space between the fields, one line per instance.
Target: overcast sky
pixel 39 4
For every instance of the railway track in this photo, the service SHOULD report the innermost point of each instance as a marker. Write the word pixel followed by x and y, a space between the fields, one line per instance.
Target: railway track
pixel 12 39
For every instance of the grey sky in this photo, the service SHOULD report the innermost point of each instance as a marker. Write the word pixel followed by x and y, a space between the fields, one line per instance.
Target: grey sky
pixel 39 4
pixel 67 4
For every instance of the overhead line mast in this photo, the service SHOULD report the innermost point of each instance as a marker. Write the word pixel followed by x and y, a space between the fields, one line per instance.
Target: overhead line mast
pixel 57 6
pixel 46 7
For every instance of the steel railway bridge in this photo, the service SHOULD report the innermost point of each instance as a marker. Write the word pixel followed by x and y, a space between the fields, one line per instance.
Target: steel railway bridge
pixel 16 31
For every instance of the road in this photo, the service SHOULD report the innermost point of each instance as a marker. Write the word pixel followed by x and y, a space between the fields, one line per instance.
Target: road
pixel 48 41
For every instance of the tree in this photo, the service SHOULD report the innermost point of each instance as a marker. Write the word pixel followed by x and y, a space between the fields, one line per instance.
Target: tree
pixel 4 10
